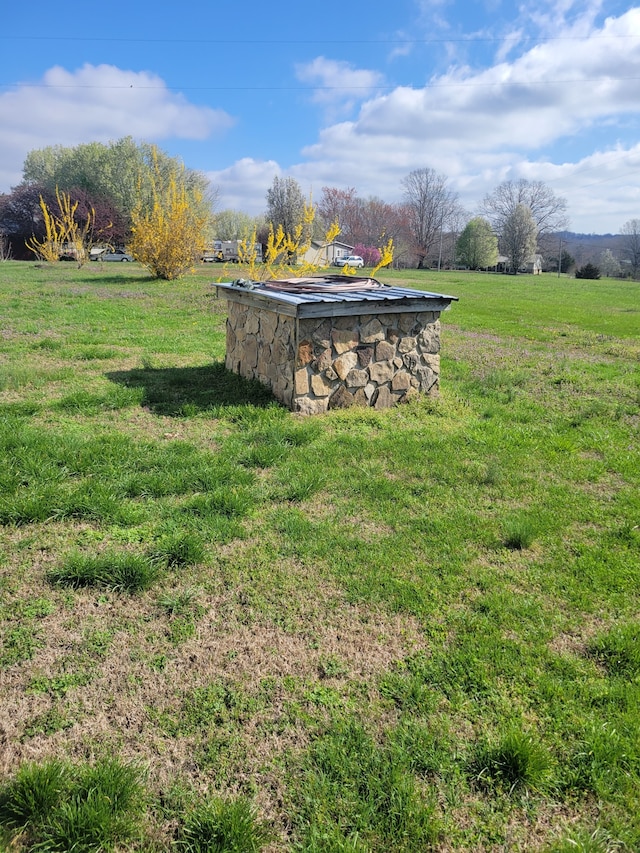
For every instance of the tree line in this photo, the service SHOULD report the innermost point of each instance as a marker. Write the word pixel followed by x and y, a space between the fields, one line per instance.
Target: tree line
pixel 126 193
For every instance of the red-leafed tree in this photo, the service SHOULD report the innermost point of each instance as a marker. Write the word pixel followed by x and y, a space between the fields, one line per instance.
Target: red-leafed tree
pixel 21 217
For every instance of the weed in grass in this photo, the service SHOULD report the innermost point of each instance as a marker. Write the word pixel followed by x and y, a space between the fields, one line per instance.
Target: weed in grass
pixel 181 602
pixel 19 643
pixel 118 782
pixel 97 353
pixel 101 811
pixel 48 344
pixel 588 841
pixel 34 792
pixel 297 484
pixel 331 666
pixel 270 443
pixel 179 548
pixel 36 608
pixel 408 691
pixel 181 630
pixel 231 503
pixel 351 788
pixel 424 746
pixel 519 534
pixel 224 753
pixel 606 758
pixel 97 642
pixel 119 572
pixel 619 650
pixel 491 473
pixel 58 686
pixel 89 824
pixel 517 763
pixel 410 684
pixel 212 705
pixel 222 826
pixel 95 502
pixel 49 723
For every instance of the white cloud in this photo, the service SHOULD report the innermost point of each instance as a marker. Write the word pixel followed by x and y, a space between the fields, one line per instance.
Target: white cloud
pixel 337 82
pixel 95 103
pixel 480 128
pixel 244 185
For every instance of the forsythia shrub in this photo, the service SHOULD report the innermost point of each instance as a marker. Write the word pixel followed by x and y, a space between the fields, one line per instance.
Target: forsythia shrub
pixel 169 234
pixel 283 252
pixel 63 234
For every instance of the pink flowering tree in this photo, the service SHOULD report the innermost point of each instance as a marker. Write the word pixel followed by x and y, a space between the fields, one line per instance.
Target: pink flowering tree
pixel 369 254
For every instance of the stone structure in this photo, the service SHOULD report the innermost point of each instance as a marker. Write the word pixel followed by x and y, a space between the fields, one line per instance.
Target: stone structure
pixel 366 348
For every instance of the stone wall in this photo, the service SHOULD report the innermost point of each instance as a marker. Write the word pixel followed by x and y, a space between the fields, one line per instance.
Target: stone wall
pixel 313 365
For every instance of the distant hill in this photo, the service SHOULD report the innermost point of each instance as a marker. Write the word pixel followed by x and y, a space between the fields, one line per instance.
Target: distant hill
pixel 586 248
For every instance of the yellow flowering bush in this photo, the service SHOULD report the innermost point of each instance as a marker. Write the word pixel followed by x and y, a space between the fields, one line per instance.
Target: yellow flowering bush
pixel 169 232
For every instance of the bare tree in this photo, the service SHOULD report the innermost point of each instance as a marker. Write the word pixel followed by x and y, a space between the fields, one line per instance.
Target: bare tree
pixel 631 246
pixel 519 236
pixel 339 206
pixel 549 211
pixel 285 205
pixel 429 204
pixel 608 263
pixel 5 248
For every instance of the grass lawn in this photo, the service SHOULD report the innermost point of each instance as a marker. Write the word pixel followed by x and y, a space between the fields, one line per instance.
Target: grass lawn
pixel 227 627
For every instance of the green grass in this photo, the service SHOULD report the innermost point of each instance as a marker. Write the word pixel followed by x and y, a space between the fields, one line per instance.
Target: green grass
pixel 222 826
pixel 119 572
pixel 405 630
pixel 91 808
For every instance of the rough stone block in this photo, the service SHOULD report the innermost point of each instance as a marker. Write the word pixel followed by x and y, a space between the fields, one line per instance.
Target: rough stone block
pixel 384 398
pixel 305 353
pixel 302 381
pixel 385 351
pixel 344 340
pixel 372 331
pixel 380 371
pixel 323 361
pixel 311 406
pixel 320 386
pixel 356 378
pixel 344 363
pixel 365 355
pixel 341 398
pixel 401 381
pixel 407 344
pixel 250 353
pixel 268 325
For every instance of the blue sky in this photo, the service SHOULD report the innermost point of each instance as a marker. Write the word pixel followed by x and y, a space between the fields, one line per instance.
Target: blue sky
pixel 340 94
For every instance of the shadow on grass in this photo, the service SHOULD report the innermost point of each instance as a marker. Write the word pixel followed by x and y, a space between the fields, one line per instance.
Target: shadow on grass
pixel 188 391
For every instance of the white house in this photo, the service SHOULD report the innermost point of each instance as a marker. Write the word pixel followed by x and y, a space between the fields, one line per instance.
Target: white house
pixel 323 254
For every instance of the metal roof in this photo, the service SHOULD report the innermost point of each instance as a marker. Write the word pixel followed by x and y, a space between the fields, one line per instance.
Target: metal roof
pixel 324 296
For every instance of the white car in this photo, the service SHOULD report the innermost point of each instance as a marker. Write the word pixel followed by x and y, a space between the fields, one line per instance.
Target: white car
pixel 349 261
pixel 116 255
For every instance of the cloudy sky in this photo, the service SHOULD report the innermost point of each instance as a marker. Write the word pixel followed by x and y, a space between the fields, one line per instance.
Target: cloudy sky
pixel 341 94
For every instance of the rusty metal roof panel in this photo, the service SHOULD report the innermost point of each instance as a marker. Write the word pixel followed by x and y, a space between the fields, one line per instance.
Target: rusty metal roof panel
pixel 333 295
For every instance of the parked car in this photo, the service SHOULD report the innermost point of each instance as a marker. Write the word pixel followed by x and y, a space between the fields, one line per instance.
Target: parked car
pixel 349 261
pixel 115 255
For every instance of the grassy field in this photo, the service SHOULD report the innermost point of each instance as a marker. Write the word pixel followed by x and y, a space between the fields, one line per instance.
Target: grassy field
pixel 224 627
